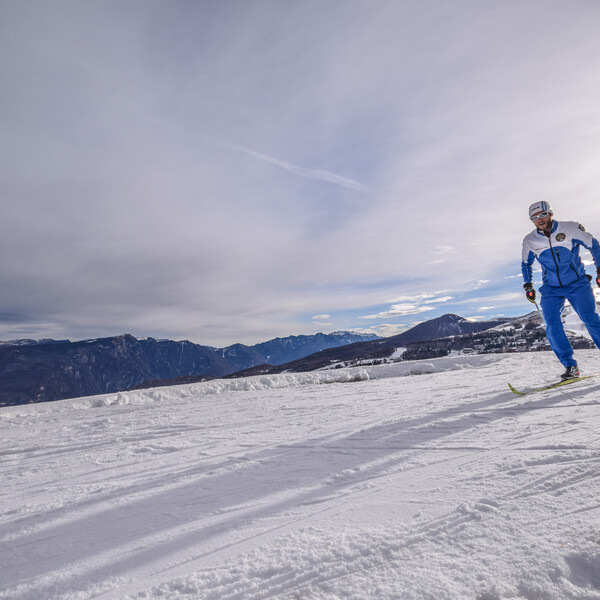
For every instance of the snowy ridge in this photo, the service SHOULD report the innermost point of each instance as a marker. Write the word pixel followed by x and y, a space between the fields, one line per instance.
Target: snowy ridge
pixel 437 486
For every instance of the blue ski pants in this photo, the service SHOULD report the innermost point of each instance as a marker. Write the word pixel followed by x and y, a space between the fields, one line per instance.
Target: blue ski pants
pixel 581 297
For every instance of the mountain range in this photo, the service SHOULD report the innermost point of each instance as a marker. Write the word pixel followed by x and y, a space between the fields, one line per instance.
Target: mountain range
pixel 44 370
pixel 383 348
pixel 443 336
pixel 38 371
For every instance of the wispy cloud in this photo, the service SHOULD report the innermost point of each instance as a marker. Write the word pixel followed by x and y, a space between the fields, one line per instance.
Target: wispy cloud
pixel 500 298
pixel 440 300
pixel 385 329
pixel 443 253
pixel 399 310
pixel 317 174
pixel 424 297
pixel 410 305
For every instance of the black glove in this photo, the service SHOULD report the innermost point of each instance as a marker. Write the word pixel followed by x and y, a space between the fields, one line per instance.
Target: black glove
pixel 598 276
pixel 530 292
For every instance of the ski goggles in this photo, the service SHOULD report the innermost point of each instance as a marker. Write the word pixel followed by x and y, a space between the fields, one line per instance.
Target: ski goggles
pixel 542 215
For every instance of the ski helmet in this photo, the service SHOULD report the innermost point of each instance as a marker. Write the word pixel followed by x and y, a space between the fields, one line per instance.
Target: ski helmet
pixel 537 207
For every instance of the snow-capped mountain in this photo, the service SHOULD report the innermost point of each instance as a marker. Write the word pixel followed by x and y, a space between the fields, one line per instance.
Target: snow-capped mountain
pixel 30 342
pixel 283 350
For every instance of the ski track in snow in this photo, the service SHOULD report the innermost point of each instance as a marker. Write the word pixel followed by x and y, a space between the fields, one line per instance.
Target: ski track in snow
pixel 424 480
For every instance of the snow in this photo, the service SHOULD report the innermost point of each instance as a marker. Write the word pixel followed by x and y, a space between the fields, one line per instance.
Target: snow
pixel 425 480
pixel 397 354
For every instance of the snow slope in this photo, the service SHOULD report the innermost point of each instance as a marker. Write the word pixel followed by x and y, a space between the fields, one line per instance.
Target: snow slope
pixel 405 481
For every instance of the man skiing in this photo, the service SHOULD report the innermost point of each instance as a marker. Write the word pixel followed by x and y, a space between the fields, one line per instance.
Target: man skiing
pixel 556 246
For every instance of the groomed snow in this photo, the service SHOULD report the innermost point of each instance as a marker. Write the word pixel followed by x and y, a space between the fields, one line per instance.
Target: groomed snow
pixel 419 481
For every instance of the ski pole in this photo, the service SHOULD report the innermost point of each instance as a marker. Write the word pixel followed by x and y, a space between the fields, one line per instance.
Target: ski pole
pixel 540 311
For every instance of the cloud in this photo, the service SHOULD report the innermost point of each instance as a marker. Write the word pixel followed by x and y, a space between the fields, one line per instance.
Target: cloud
pixel 321 317
pixel 200 171
pixel 410 305
pixel 399 310
pixel 440 300
pixel 444 254
pixel 384 329
pixel 499 298
pixel 426 297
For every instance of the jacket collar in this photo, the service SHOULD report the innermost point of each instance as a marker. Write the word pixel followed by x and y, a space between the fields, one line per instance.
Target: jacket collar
pixel 554 226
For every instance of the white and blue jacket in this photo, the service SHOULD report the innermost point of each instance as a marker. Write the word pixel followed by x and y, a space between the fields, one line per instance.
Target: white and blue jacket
pixel 558 254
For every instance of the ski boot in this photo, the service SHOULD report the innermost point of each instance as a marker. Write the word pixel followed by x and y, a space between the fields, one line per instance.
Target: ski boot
pixel 571 373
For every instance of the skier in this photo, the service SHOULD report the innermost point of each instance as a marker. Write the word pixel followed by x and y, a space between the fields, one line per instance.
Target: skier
pixel 556 247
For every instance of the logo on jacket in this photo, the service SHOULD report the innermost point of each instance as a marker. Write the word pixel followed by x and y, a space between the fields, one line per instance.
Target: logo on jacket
pixel 560 237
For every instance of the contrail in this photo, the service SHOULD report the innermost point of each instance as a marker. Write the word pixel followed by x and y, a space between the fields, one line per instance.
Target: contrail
pixel 309 173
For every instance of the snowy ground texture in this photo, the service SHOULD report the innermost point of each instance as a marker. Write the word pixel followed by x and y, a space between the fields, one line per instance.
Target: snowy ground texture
pixel 408 481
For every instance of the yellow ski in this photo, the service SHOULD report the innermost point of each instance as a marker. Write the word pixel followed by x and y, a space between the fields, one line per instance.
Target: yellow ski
pixel 551 386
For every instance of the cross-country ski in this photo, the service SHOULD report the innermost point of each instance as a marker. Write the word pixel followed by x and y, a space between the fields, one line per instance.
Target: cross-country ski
pixel 550 386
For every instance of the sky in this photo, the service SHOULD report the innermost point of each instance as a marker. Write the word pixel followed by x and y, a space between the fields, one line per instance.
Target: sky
pixel 238 170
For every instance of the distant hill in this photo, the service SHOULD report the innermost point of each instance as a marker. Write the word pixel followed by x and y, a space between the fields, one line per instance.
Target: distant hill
pixel 436 338
pixel 282 350
pixel 45 370
pixel 370 350
pixel 440 327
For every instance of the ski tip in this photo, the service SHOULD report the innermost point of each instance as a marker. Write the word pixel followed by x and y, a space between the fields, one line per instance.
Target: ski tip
pixel 514 391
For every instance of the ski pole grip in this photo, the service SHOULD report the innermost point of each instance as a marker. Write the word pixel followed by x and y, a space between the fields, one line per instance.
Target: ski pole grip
pixel 529 292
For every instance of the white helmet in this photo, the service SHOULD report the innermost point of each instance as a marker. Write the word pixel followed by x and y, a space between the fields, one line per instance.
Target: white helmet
pixel 537 207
